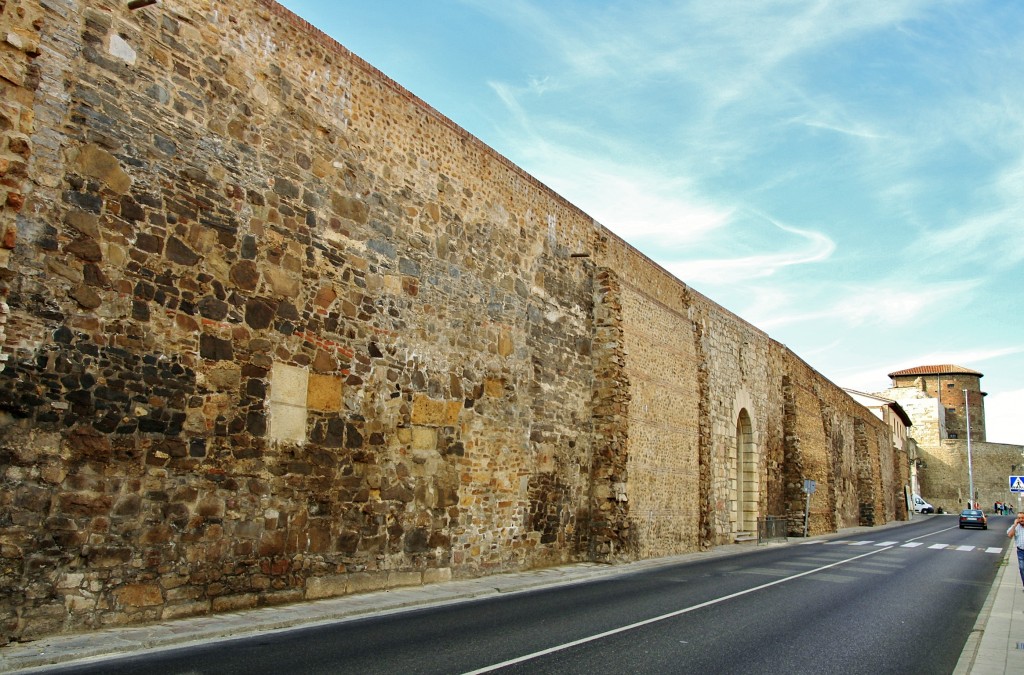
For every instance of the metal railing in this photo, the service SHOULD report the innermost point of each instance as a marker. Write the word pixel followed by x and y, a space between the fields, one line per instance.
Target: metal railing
pixel 771 528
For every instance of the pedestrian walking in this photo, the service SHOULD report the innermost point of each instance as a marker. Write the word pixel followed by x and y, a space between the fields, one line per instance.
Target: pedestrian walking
pixel 1017 532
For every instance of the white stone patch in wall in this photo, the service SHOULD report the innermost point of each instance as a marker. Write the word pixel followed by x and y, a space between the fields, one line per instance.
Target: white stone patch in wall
pixel 260 93
pixel 287 423
pixel 553 316
pixel 333 93
pixel 499 214
pixel 341 240
pixel 289 386
pixel 120 49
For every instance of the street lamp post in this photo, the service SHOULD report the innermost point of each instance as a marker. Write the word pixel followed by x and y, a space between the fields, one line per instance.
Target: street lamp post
pixel 970 468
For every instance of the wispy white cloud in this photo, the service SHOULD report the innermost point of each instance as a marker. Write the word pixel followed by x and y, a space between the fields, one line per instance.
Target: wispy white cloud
pixel 994 236
pixel 874 304
pixel 857 131
pixel 810 247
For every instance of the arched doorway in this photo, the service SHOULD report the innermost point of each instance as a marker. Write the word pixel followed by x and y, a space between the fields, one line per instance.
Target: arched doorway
pixel 743 483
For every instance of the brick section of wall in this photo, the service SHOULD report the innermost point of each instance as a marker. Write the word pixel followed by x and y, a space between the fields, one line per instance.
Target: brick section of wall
pixel 664 433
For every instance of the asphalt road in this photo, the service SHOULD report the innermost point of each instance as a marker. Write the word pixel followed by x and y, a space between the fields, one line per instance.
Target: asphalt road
pixel 902 600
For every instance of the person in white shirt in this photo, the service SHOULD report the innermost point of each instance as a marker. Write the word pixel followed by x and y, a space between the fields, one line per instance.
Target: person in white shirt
pixel 1017 532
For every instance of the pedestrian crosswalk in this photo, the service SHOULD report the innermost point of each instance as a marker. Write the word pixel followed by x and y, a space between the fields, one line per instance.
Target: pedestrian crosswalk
pixel 965 548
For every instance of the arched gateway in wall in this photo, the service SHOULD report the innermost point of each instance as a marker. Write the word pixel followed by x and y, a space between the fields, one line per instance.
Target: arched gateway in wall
pixel 742 468
pixel 743 482
pixel 743 474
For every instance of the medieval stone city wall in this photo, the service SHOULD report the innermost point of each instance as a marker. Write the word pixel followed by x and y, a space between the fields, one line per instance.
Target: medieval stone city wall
pixel 280 331
pixel 945 478
pixel 992 465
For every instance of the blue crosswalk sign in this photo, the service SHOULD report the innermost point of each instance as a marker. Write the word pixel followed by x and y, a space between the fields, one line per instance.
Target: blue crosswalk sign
pixel 1016 483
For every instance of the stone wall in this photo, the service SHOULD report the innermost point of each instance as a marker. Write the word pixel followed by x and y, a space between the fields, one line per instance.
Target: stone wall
pixel 19 85
pixel 992 465
pixel 945 478
pixel 280 331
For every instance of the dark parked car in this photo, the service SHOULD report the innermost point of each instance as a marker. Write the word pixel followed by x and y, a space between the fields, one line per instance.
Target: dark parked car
pixel 973 518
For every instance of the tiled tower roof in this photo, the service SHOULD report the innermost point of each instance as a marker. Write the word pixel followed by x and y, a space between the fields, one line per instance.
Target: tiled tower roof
pixel 936 370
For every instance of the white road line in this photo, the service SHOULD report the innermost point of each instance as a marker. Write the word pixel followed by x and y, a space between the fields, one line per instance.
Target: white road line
pixel 645 622
pixel 993 549
pixel 887 543
pixel 912 544
pixel 965 548
pixel 861 543
pixel 937 546
pixel 838 541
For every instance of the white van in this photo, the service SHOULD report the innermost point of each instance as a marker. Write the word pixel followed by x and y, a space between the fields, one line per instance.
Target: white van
pixel 921 506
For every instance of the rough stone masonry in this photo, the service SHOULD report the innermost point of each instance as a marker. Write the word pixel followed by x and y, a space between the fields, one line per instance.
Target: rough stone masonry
pixel 277 330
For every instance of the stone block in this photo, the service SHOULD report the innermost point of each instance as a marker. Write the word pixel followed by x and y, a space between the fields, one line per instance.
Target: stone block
pixel 96 162
pixel 77 604
pixel 283 597
pixel 138 595
pixel 287 422
pixel 327 586
pixel 428 411
pixel 324 393
pixel 185 609
pixel 233 603
pixel 400 579
pixel 437 575
pixel 494 387
pixel 362 582
pixel 289 384
pixel 424 438
pixel 282 283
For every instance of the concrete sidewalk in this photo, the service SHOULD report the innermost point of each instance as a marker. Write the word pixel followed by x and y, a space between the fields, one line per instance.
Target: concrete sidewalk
pixel 996 645
pixel 991 648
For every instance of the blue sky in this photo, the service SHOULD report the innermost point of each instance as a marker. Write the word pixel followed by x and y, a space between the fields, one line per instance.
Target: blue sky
pixel 847 176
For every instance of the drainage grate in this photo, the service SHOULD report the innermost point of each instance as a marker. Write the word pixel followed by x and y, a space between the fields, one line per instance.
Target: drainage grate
pixel 1020 645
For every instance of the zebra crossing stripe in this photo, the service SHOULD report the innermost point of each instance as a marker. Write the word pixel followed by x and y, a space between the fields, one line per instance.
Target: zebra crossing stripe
pixel 915 544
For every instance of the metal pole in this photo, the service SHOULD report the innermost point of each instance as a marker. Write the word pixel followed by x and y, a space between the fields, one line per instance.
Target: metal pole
pixel 807 512
pixel 970 468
